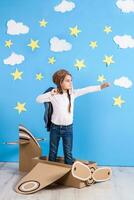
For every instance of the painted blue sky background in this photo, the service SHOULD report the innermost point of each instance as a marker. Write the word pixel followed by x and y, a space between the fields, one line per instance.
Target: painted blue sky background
pixel 103 132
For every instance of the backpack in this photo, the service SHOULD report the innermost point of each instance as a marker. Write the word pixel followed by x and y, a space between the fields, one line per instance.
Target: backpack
pixel 48 111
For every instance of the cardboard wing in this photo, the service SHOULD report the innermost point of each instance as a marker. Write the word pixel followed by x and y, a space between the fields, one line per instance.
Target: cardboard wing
pixel 40 176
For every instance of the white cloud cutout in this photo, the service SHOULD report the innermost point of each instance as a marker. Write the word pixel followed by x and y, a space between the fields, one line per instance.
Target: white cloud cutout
pixel 123 82
pixel 59 45
pixel 14 59
pixel 125 41
pixel 126 5
pixel 16 28
pixel 64 6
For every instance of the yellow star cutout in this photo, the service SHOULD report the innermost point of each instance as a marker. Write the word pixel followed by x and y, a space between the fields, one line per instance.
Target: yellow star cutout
pixel 108 60
pixel 107 29
pixel 17 74
pixel 20 107
pixel 101 78
pixel 118 101
pixel 33 44
pixel 8 43
pixel 43 23
pixel 93 44
pixel 79 64
pixel 39 76
pixel 74 31
pixel 51 60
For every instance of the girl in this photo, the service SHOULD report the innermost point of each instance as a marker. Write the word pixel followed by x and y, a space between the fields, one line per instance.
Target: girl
pixel 62 99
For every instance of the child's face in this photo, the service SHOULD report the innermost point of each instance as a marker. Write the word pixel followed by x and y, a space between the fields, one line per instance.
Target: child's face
pixel 67 83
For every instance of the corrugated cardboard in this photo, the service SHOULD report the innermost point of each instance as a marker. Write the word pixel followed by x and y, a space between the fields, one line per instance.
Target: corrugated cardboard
pixel 41 176
pixel 27 150
pixel 30 156
pixel 68 179
pixel 41 172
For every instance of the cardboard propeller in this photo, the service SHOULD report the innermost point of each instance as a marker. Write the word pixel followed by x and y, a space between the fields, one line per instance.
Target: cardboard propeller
pixel 84 173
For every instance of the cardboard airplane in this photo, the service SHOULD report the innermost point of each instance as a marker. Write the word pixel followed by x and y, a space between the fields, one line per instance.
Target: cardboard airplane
pixel 40 173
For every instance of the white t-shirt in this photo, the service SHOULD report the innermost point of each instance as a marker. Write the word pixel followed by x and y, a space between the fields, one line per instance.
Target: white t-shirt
pixel 60 102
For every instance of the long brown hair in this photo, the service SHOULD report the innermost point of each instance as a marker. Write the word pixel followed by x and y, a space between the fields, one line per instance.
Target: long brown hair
pixel 58 78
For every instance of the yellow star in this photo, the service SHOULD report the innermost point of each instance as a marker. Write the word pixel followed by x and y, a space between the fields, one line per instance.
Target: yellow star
pixel 74 31
pixel 79 64
pixel 93 44
pixel 20 107
pixel 108 60
pixel 118 101
pixel 43 23
pixel 8 43
pixel 101 78
pixel 51 60
pixel 39 76
pixel 17 74
pixel 107 29
pixel 33 44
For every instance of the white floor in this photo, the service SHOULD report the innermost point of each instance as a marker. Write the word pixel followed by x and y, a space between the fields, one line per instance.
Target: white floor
pixel 121 187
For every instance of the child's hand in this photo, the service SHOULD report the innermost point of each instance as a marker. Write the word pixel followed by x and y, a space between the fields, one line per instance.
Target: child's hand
pixel 104 85
pixel 54 91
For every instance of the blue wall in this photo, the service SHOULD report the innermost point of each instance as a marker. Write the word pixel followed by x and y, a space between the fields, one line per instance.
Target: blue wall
pixel 103 132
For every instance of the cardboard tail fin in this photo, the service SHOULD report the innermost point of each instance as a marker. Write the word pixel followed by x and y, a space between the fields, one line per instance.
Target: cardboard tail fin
pixel 28 149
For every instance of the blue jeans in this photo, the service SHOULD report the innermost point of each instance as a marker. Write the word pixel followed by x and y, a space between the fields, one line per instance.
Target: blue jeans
pixel 66 133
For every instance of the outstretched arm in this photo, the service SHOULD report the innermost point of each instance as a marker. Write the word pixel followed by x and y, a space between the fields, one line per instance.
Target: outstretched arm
pixel 89 89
